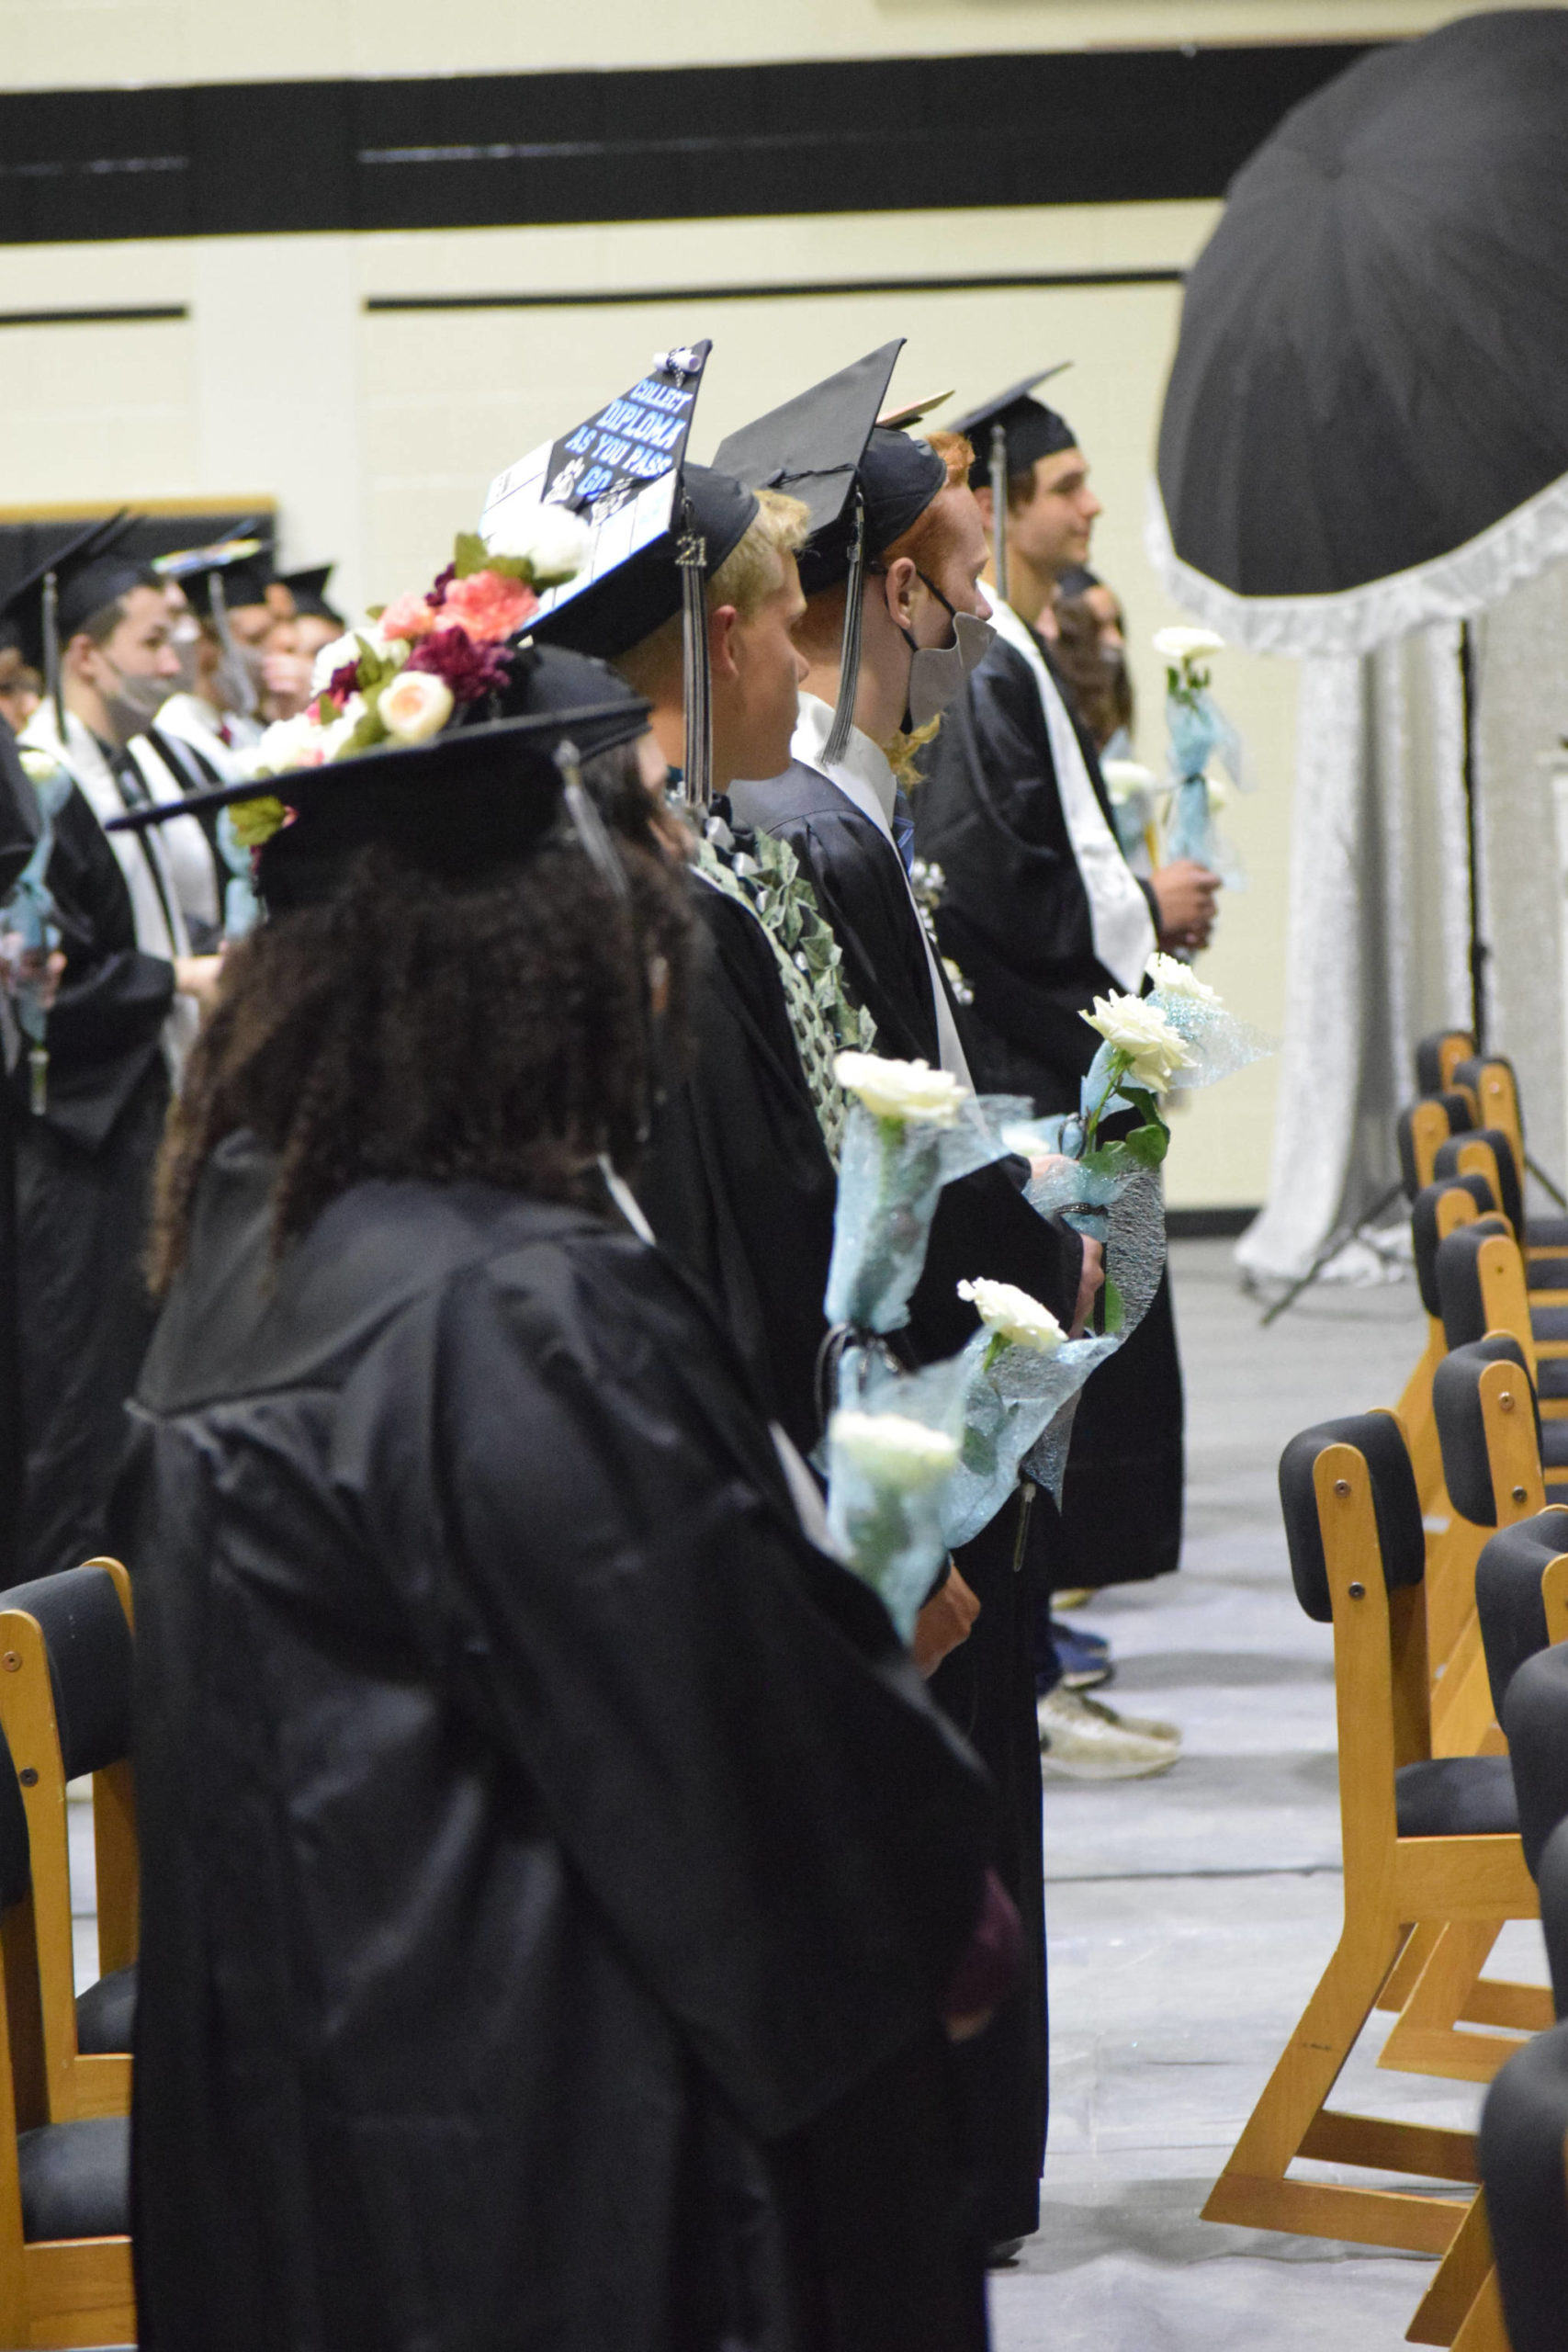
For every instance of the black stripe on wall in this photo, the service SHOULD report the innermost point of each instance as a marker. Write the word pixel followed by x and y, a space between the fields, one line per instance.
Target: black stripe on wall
pixel 884 135
pixel 576 298
pixel 132 314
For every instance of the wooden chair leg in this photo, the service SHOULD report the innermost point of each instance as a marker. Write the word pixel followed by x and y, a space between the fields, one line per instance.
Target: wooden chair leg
pixel 1402 1977
pixel 1425 2038
pixel 1483 2328
pixel 1290 2120
pixel 1461 2277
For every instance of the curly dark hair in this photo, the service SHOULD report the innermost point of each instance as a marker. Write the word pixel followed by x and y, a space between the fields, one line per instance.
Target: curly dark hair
pixel 490 1028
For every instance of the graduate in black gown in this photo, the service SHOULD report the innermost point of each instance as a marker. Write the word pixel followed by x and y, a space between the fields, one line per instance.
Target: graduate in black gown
pixel 18 836
pixel 124 1011
pixel 1042 913
pixel 892 624
pixel 558 1891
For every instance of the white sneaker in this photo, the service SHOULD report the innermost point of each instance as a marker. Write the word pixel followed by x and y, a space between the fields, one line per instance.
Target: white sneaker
pixel 1081 1739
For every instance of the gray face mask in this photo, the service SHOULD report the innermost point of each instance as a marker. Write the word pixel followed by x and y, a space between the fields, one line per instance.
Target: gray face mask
pixel 937 672
pixel 136 701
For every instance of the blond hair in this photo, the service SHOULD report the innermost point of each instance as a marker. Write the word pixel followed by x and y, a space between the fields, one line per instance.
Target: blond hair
pixel 750 574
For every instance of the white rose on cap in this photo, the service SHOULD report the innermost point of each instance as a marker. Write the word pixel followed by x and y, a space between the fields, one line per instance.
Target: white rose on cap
pixel 415 707
pixel 1170 974
pixel 551 541
pixel 1132 1025
pixel 1013 1316
pixel 1187 644
pixel 911 1092
pixel 892 1450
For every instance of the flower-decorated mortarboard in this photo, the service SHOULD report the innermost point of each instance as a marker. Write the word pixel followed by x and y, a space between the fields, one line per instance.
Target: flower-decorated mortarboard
pixel 1008 433
pixel 864 485
pixel 656 529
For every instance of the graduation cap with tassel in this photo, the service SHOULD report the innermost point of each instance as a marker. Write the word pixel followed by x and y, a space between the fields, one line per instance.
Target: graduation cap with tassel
pixel 61 595
pixel 1009 433
pixel 216 580
pixel 864 482
pixel 658 529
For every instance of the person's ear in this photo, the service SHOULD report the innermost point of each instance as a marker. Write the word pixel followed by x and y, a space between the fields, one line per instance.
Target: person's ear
pixel 80 658
pixel 724 625
pixel 982 500
pixel 900 583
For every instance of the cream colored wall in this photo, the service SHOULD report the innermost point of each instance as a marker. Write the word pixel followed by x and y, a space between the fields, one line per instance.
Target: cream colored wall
pixel 53 44
pixel 379 433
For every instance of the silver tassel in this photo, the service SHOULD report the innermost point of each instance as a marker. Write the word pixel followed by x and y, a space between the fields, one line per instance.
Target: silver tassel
pixel 692 556
pixel 848 652
pixel 240 668
pixel 593 834
pixel 998 469
pixel 53 681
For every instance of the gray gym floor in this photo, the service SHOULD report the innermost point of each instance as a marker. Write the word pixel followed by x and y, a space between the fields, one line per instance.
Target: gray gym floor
pixel 1190 1916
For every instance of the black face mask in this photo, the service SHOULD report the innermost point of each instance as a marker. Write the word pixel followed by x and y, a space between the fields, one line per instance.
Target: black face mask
pixel 937 672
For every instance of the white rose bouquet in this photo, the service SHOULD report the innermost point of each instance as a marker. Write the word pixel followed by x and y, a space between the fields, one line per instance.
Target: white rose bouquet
pixel 910 1130
pixel 892 1450
pixel 1199 734
pixel 1018 1369
pixel 1216 1042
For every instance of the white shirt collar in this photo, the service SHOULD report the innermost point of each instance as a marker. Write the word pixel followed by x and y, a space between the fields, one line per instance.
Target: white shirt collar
pixel 863 774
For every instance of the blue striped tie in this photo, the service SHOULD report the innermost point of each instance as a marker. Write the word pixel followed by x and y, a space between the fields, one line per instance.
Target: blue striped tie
pixel 904 828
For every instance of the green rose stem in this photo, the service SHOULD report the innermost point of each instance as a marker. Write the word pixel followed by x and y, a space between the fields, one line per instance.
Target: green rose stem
pixel 1121 1063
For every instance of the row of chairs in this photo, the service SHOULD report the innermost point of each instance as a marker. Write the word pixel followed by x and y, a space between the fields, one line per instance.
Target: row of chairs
pixel 1434 1539
pixel 65 2064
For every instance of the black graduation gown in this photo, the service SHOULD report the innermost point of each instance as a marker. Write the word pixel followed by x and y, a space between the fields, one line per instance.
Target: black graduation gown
pixel 737 1182
pixel 983 1225
pixel 552 1866
pixel 18 836
pixel 1015 919
pixel 84 1173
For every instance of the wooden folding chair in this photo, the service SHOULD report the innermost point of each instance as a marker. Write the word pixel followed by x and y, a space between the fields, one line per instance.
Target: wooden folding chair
pixel 1437 1210
pixel 1491 1152
pixel 1481 1278
pixel 65 1694
pixel 1521 1592
pixel 1502 2285
pixel 65 2275
pixel 1358 1557
pixel 1422 1130
pixel 1544 1240
pixel 1437 1055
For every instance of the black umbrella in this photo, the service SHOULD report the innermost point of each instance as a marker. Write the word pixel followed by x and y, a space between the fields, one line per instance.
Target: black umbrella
pixel 1367 422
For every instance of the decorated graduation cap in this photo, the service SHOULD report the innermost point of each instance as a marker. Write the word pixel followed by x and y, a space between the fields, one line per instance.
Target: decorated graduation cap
pixel 1009 433
pixel 79 580
pixel 864 483
pixel 657 528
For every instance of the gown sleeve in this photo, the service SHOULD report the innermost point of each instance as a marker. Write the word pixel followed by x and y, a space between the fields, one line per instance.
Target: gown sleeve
pixel 737 1758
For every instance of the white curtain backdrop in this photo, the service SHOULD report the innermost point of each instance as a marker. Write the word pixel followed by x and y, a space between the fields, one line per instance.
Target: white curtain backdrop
pixel 1376 948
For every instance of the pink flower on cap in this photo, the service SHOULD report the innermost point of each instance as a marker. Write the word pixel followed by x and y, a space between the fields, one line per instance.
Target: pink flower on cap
pixel 410 617
pixel 489 605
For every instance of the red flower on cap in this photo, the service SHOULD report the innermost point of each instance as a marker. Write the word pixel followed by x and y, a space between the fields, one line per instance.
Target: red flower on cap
pixel 471 670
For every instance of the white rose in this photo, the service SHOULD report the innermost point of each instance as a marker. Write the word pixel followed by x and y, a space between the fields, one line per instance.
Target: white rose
pixel 1219 791
pixel 1016 1317
pixel 551 541
pixel 912 1092
pixel 1176 978
pixel 892 1450
pixel 349 648
pixel 1184 645
pixel 1126 778
pixel 415 707
pixel 287 743
pixel 1131 1024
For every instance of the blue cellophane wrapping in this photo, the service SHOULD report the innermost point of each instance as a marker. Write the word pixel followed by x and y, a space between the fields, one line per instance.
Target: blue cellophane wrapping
pixel 29 913
pixel 1219 1043
pixel 1200 732
pixel 892 1537
pixel 1008 1408
pixel 890 1175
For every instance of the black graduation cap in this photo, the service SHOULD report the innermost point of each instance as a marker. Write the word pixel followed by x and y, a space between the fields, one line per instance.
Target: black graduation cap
pixel 1007 434
pixel 45 610
pixel 477 796
pixel 309 590
pixel 658 529
pixel 862 482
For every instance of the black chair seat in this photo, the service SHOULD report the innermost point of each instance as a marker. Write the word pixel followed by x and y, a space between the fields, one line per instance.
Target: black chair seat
pixel 1457 1796
pixel 1546 1273
pixel 1554 1445
pixel 1553 1376
pixel 105 2014
pixel 1549 1322
pixel 76 2178
pixel 1548 1232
